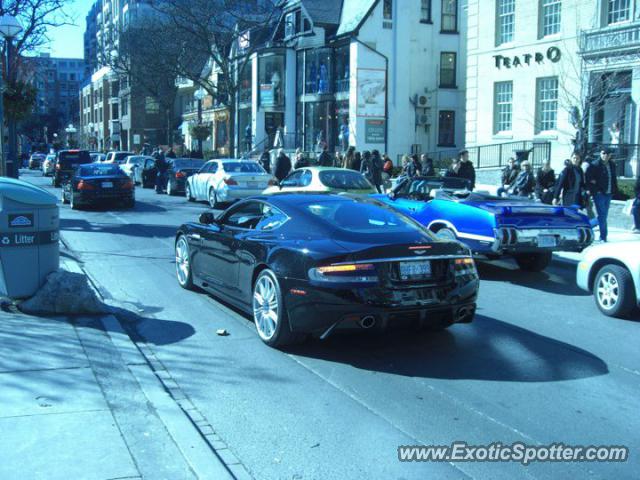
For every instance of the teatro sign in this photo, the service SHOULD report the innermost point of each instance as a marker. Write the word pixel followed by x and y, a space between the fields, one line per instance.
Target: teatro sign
pixel 553 54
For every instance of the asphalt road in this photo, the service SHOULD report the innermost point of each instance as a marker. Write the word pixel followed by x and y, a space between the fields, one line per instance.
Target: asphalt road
pixel 539 365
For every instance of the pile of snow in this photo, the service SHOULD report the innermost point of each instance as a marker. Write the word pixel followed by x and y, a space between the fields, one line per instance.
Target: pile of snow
pixel 65 293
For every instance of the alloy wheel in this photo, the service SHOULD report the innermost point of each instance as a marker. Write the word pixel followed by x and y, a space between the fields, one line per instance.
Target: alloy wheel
pixel 182 261
pixel 266 306
pixel 608 291
pixel 213 200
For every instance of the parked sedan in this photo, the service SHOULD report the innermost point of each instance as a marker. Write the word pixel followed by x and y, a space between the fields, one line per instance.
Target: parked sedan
pixel 221 181
pixel 135 165
pixel 35 161
pixel 117 157
pixel 66 163
pixel 98 183
pixel 49 165
pixel 180 169
pixel 303 264
pixel 323 179
pixel 492 226
pixel 611 271
pixel 97 157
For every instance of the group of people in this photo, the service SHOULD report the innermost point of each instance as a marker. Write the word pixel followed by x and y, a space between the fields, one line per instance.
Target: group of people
pixel 376 167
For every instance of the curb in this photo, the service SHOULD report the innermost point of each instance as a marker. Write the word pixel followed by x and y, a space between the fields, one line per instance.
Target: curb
pixel 206 453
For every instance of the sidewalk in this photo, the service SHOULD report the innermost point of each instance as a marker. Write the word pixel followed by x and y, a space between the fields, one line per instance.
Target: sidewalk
pixel 615 235
pixel 79 401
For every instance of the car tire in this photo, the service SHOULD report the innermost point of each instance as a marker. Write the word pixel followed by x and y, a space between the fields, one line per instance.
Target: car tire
pixel 170 191
pixel 55 183
pixel 613 291
pixel 213 199
pixel 187 193
pixel 74 205
pixel 445 233
pixel 269 314
pixel 533 262
pixel 63 198
pixel 183 263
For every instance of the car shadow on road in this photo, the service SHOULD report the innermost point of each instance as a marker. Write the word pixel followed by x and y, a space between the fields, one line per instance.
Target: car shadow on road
pixel 487 349
pixel 140 207
pixel 129 229
pixel 142 328
pixel 557 280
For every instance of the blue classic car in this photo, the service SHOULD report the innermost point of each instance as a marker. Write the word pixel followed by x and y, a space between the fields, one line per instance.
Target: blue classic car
pixel 492 226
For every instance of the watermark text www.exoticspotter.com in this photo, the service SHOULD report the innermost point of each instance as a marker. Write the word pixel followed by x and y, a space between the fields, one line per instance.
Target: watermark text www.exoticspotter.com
pixel 515 452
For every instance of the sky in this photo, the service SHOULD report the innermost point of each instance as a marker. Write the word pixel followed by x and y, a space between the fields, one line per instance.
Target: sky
pixel 67 41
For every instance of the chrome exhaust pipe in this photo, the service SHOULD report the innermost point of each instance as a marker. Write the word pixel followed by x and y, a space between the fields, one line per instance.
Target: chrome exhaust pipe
pixel 367 322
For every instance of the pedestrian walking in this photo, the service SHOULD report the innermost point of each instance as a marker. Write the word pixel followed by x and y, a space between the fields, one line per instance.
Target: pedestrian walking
pixel 635 210
pixel 466 170
pixel 377 165
pixel 570 185
pixel 426 164
pixel 325 159
pixel 300 161
pixel 282 166
pixel 357 161
pixel 525 183
pixel 367 167
pixel 265 160
pixel 349 157
pixel 171 153
pixel 545 183
pixel 509 176
pixel 161 167
pixel 602 184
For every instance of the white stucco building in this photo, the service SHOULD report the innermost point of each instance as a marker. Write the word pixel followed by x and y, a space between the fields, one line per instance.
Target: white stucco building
pixel 534 66
pixel 376 74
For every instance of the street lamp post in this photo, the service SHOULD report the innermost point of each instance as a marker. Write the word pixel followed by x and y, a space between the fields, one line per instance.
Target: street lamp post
pixel 199 96
pixel 9 28
pixel 70 131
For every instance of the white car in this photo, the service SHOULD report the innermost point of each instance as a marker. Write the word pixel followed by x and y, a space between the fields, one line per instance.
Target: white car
pixel 134 166
pixel 612 272
pixel 117 157
pixel 221 181
pixel 49 165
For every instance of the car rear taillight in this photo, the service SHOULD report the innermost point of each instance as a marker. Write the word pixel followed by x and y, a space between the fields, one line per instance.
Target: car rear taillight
pixel 57 166
pixel 465 267
pixel 127 185
pixel 180 175
pixel 345 273
pixel 82 185
pixel 230 181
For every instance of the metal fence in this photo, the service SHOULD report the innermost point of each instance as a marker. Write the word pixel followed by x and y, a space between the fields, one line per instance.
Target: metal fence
pixel 496 155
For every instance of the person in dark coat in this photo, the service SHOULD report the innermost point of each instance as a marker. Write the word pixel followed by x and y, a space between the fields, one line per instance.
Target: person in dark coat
pixel 282 166
pixel 265 160
pixel 454 169
pixel 377 165
pixel 509 176
pixel 570 184
pixel 357 162
pixel 413 167
pixel 635 210
pixel 525 183
pixel 171 153
pixel 349 157
pixel 300 161
pixel 545 183
pixel 366 168
pixel 427 169
pixel 325 159
pixel 467 170
pixel 602 184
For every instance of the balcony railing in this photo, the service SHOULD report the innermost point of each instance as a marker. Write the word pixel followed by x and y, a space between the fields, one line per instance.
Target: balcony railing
pixel 615 39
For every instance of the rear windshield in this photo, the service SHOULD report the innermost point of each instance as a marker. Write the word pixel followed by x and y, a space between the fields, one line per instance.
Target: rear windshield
pixel 356 217
pixel 188 163
pixel 120 157
pixel 72 159
pixel 137 160
pixel 99 170
pixel 344 180
pixel 242 167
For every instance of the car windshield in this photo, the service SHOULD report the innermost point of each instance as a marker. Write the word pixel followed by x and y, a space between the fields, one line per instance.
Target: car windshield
pixel 359 217
pixel 135 160
pixel 70 159
pixel 98 170
pixel 344 180
pixel 180 163
pixel 242 167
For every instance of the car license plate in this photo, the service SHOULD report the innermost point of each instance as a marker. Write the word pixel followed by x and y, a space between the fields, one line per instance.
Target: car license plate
pixel 253 184
pixel 107 184
pixel 547 241
pixel 415 269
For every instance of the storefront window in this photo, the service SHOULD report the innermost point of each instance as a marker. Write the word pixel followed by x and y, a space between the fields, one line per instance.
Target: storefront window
pixel 317 125
pixel 300 73
pixel 318 71
pixel 342 133
pixel 245 84
pixel 342 69
pixel 271 80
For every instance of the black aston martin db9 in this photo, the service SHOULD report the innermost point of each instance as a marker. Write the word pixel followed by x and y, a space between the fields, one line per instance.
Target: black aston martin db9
pixel 310 263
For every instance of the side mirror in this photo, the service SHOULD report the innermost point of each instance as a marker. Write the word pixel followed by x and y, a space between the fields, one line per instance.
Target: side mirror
pixel 207 218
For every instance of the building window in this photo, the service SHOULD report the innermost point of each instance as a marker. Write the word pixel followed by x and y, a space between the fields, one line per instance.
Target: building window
pixel 387 9
pixel 546 104
pixel 425 11
pixel 447 70
pixel 342 69
pixel 503 106
pixel 271 80
pixel 550 14
pixel 449 15
pixel 618 11
pixel 447 128
pixel 318 71
pixel 505 21
pixel 151 106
